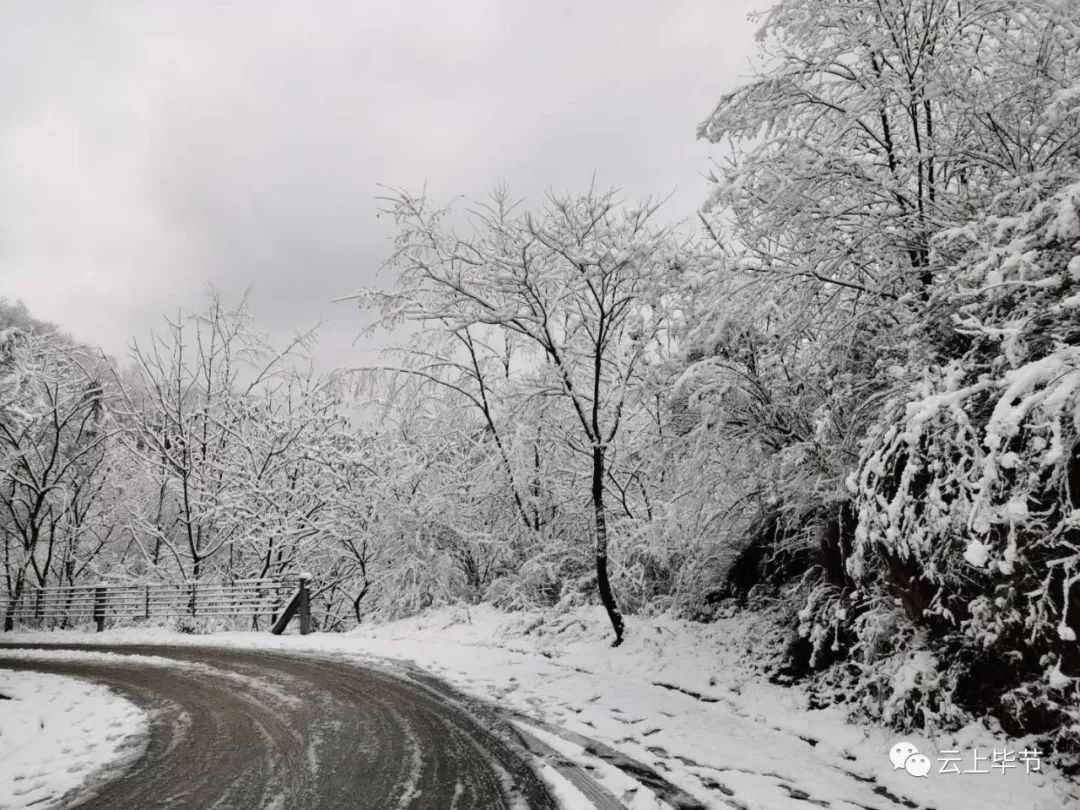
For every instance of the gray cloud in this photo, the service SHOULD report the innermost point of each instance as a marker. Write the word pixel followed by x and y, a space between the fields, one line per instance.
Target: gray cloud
pixel 152 149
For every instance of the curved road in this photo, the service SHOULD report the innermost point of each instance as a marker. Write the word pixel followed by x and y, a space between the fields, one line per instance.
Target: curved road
pixel 242 730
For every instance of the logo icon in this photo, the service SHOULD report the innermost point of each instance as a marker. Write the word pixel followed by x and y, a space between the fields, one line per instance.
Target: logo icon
pixel 904 755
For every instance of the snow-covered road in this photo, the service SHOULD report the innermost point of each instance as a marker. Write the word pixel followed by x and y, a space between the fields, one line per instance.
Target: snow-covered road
pixel 672 719
pixel 243 729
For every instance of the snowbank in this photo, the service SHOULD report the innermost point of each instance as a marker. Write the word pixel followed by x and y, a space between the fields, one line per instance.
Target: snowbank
pixel 57 734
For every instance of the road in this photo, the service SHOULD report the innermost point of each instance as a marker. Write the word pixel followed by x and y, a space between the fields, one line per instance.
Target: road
pixel 242 730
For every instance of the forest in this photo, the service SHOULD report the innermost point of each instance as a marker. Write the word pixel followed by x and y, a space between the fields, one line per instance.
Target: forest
pixel 845 398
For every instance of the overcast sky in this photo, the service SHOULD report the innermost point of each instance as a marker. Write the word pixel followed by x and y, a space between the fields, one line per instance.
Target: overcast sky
pixel 152 149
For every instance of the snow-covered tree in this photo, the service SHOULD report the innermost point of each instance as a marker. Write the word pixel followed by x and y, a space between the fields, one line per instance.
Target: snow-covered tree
pixel 875 123
pixel 223 423
pixel 896 221
pixel 54 462
pixel 579 287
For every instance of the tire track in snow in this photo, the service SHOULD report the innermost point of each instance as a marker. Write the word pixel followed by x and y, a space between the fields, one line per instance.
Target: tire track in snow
pixel 241 729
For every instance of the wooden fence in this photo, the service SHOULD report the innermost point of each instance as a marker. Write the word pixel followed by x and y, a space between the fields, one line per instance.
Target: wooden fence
pixel 279 599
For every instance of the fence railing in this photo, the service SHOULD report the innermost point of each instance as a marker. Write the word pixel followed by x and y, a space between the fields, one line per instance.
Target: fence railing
pixel 71 605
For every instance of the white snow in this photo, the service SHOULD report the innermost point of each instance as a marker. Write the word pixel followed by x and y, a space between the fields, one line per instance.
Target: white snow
pixel 58 733
pixel 977 553
pixel 1058 679
pixel 568 797
pixel 632 795
pixel 678 697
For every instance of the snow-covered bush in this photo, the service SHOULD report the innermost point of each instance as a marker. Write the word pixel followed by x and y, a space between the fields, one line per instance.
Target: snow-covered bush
pixel 899 386
pixel 968 486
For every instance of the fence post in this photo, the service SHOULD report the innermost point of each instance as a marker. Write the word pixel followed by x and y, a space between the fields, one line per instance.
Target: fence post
pixel 146 602
pixel 99 607
pixel 305 604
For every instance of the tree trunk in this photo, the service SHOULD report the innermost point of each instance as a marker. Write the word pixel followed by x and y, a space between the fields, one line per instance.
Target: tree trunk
pixel 607 598
pixel 13 600
pixel 196 569
pixel 359 598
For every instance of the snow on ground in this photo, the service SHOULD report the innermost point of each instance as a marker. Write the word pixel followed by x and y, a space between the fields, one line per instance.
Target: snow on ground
pixel 56 733
pixel 678 697
pixel 565 793
pixel 617 783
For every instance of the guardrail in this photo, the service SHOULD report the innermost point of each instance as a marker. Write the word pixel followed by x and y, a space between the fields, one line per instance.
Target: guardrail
pixel 279 598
